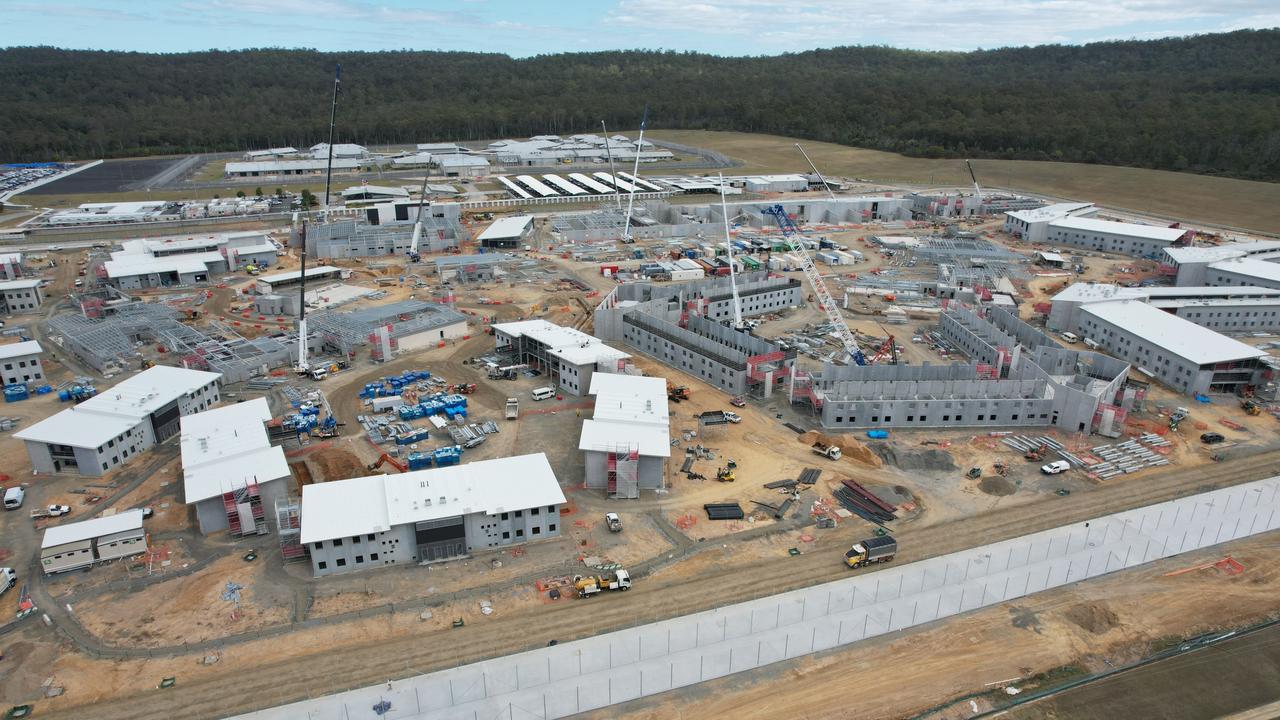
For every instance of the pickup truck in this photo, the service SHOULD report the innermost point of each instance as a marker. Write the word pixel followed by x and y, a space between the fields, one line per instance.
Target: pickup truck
pixel 613 521
pixel 50 512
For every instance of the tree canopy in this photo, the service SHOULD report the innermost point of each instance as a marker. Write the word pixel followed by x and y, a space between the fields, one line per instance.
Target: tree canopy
pixel 1207 103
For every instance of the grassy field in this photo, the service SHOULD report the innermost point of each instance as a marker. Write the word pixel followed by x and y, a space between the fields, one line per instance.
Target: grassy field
pixel 1217 201
pixel 60 202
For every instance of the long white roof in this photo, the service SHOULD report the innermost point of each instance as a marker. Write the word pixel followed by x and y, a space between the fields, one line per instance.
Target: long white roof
pixel 1250 267
pixel 1048 212
pixel 507 228
pixel 1148 232
pixel 128 264
pixel 1084 292
pixel 89 529
pixel 296 274
pixel 23 284
pixel 117 409
pixel 228 448
pixel 20 349
pixel 1183 338
pixel 358 506
pixel 1213 253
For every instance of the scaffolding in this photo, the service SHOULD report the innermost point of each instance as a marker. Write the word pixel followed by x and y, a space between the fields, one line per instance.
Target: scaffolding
pixel 245 514
pixel 289 527
pixel 623 465
pixel 111 343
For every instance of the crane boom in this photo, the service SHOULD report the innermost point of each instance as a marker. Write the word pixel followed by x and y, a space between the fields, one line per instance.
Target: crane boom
pixel 976 191
pixel 820 290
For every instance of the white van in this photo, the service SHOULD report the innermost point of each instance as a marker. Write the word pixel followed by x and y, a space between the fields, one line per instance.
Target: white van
pixel 1070 337
pixel 13 498
pixel 1053 468
pixel 8 578
pixel 543 393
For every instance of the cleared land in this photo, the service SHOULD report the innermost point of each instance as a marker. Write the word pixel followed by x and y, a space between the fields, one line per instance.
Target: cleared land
pixel 1218 201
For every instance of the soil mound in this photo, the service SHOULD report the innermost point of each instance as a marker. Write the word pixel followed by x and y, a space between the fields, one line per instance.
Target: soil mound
pixel 931 459
pixel 996 485
pixel 1092 617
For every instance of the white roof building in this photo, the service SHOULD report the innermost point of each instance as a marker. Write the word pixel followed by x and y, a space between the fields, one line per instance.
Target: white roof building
pixel 1250 269
pixel 1147 232
pixel 20 349
pixel 1214 253
pixel 292 275
pixel 506 229
pixel 381 192
pixel 276 167
pixel 358 506
pixel 340 150
pixel 227 448
pixel 89 529
pixel 1196 344
pixel 24 284
pixel 117 409
pixel 572 346
pixel 1048 212
pixel 630 410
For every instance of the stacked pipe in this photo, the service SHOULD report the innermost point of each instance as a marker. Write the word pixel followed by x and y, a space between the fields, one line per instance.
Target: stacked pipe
pixel 864 503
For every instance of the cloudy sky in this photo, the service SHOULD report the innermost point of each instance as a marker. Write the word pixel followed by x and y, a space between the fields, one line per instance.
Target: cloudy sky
pixel 531 27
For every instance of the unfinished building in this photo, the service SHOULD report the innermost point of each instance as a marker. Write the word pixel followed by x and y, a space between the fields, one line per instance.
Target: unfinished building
pixel 389 328
pixel 571 358
pixel 1019 377
pixel 353 239
pixel 682 326
pixel 110 344
pixel 466 269
pixel 626 443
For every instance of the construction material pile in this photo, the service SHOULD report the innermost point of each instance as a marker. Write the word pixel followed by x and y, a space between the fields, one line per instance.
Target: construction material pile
pixel 864 503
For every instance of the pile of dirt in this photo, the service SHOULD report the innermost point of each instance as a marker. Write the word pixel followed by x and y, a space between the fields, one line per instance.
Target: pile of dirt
pixel 1092 617
pixel 334 464
pixel 997 485
pixel 932 459
pixel 849 446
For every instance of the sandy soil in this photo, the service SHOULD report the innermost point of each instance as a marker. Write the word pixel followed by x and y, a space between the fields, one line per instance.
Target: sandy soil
pixel 1088 625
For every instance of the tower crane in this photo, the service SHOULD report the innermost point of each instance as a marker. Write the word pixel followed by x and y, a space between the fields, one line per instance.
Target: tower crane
pixel 828 303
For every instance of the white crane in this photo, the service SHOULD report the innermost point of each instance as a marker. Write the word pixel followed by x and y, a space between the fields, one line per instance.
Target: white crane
pixel 820 290
pixel 733 275
pixel 635 174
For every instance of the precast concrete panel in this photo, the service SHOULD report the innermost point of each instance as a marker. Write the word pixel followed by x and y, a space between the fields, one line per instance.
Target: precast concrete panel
pixel 600 671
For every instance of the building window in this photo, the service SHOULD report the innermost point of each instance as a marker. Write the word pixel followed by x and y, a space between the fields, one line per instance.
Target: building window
pixel 342 562
pixel 373 557
pixel 370 537
pixel 506 535
pixel 322 565
pixel 534 511
pixel 355 540
pixel 504 516
pixel 519 532
pixel 551 527
pixel 551 508
pixel 359 559
pixel 318 545
pixel 337 542
pixel 519 513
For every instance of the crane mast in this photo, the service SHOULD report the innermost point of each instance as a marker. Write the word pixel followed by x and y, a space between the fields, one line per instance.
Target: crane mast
pixel 733 277
pixel 635 174
pixel 820 290
pixel 977 192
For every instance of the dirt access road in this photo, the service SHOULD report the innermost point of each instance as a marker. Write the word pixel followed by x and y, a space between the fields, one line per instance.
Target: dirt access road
pixel 245 687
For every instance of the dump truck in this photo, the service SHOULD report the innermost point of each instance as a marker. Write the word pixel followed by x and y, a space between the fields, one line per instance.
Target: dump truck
pixel 871 551
pixel 589 585
pixel 613 521
pixel 513 408
pixel 827 451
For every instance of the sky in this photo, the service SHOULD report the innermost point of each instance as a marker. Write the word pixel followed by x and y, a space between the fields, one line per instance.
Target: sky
pixel 533 27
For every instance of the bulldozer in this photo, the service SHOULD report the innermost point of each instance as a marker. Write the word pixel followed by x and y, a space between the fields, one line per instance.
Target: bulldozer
pixel 1251 406
pixel 726 474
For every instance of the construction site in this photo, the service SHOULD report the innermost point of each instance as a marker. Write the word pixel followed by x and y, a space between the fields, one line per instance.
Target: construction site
pixel 426 455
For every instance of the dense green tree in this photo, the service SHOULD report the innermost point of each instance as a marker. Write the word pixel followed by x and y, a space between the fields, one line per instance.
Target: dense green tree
pixel 1206 104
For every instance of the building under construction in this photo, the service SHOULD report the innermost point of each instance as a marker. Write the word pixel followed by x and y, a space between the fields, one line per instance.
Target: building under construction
pixel 627 441
pixel 683 326
pixel 106 334
pixel 352 239
pixel 1018 377
pixel 404 325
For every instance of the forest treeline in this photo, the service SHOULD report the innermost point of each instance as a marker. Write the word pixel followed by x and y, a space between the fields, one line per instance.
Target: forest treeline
pixel 1208 103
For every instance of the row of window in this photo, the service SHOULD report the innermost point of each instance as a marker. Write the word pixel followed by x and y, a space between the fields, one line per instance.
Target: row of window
pixel 342 562
pixel 982 417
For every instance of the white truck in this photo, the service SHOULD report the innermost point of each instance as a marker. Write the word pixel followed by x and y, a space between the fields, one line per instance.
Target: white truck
pixel 590 585
pixel 8 578
pixel 826 451
pixel 513 408
pixel 613 521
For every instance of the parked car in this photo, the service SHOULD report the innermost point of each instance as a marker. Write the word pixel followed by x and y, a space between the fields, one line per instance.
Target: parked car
pixel 1055 467
pixel 1211 438
pixel 58 510
pixel 732 417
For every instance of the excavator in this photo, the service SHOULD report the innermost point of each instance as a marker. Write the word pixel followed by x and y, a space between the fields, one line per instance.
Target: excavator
pixel 387 459
pixel 676 394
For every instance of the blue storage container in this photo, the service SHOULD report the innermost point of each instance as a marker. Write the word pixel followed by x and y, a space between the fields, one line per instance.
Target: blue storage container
pixel 14 393
pixel 417 435
pixel 64 396
pixel 877 434
pixel 44 389
pixel 419 460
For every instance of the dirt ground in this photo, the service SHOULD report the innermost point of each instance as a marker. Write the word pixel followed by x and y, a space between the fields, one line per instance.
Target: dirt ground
pixel 1090 626
pixel 1236 203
